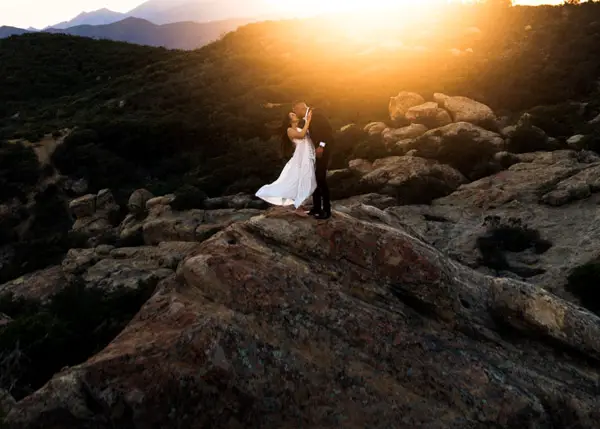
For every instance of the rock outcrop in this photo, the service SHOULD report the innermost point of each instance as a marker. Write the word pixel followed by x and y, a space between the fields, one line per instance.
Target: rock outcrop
pixel 38 286
pixel 463 109
pixel 550 194
pixel 166 224
pixel 400 104
pixel 375 128
pixel 412 179
pixel 430 114
pixel 393 135
pixel 237 202
pixel 480 135
pixel 137 202
pixel 285 322
pixel 96 217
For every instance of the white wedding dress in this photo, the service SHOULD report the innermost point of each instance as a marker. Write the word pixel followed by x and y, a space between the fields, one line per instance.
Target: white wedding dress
pixel 297 182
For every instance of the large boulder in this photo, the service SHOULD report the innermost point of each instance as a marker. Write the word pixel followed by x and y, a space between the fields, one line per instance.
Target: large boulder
pixel 576 142
pixel 344 183
pixel 281 320
pixel 83 207
pixel 400 104
pixel 466 147
pixel 391 135
pixel 237 202
pixel 411 179
pixel 379 201
pixel 37 286
pixel 375 128
pixel 360 166
pixel 138 200
pixel 106 203
pixel 114 269
pixel 429 114
pixel 463 109
pixel 164 223
pixel 96 217
pixel 480 135
pixel 192 225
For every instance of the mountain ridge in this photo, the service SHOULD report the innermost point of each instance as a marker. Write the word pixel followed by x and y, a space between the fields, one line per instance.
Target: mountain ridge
pixel 166 12
pixel 7 31
pixel 185 35
pixel 97 17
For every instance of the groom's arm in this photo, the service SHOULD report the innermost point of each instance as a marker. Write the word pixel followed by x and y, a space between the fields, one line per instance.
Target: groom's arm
pixel 321 133
pixel 320 129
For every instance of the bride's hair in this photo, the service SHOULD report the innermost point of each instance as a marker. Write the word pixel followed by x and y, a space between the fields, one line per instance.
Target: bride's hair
pixel 286 144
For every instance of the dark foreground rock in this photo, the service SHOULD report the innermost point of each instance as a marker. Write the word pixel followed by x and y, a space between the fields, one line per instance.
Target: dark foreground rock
pixel 284 322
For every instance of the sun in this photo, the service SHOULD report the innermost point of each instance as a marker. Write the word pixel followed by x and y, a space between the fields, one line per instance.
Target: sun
pixel 312 7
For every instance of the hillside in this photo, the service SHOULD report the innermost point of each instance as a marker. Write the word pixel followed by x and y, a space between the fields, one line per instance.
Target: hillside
pixel 6 31
pixel 179 35
pixel 207 101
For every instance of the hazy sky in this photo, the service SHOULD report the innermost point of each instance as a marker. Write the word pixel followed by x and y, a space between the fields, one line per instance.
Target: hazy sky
pixel 41 13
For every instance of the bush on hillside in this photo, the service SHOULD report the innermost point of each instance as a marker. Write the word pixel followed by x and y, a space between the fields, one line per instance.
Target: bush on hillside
pixel 527 138
pixel 584 283
pixel 592 141
pixel 188 197
pixel 509 235
pixel 559 120
pixel 19 170
pixel 101 168
pixel 77 323
pixel 45 241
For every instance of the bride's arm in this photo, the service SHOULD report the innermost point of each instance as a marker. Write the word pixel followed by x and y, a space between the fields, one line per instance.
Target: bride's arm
pixel 295 134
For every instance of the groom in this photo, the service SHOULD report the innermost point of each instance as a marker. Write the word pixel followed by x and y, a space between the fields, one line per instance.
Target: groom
pixel 321 134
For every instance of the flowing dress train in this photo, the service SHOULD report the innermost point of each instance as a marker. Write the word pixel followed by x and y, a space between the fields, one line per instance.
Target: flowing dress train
pixel 297 181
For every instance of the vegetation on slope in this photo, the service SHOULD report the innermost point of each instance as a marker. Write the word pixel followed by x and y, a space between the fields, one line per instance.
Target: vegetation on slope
pixel 74 325
pixel 165 118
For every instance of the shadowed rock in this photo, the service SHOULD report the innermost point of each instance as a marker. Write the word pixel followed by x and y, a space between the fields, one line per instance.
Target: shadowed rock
pixel 553 193
pixel 287 322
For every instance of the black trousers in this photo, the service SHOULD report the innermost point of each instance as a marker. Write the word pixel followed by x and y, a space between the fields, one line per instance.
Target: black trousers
pixel 321 200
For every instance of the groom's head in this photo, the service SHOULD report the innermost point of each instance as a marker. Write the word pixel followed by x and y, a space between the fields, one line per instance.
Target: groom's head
pixel 300 108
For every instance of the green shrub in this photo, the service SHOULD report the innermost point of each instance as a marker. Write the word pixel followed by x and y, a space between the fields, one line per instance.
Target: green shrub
pixel 592 141
pixel 584 283
pixel 528 139
pixel 188 197
pixel 558 120
pixel 77 323
pixel 509 235
pixel 19 170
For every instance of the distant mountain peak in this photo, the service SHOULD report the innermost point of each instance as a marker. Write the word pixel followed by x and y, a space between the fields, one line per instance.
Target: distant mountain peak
pixel 97 17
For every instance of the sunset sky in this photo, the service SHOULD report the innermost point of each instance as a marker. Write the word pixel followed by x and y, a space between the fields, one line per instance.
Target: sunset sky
pixel 41 13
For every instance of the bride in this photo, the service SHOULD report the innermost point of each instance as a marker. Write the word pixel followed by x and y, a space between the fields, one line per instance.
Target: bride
pixel 297 181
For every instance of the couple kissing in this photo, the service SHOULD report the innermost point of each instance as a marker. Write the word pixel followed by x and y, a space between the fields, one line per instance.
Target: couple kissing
pixel 305 174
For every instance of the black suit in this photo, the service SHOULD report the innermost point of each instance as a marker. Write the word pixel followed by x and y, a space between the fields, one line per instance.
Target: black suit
pixel 320 131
